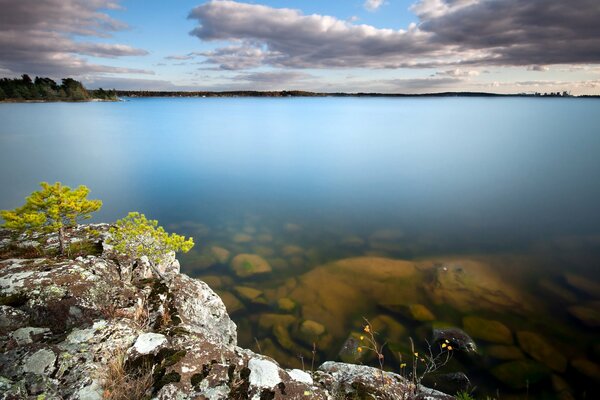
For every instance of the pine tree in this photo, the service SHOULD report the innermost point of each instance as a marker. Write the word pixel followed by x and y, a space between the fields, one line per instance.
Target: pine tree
pixel 135 236
pixel 51 209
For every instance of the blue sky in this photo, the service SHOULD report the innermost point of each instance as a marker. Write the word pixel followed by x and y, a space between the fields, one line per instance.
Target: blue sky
pixel 402 46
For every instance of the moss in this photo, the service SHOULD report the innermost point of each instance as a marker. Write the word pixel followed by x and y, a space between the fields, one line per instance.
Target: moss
pixel 177 331
pixel 174 358
pixel 13 300
pixel 165 379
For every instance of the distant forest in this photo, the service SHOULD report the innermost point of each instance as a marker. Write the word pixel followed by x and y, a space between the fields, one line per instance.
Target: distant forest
pixel 45 89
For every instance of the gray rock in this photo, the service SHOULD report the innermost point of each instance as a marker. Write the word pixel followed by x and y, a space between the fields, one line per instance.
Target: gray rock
pixel 41 362
pixel 263 373
pixel 149 343
pixel 26 335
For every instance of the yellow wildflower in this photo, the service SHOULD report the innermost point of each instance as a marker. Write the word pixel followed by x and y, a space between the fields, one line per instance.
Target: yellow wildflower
pixel 359 349
pixel 362 338
pixel 444 345
pixel 449 348
pixel 402 365
pixel 416 354
pixel 367 328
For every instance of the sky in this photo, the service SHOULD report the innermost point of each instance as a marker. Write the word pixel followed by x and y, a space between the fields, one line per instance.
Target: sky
pixel 388 46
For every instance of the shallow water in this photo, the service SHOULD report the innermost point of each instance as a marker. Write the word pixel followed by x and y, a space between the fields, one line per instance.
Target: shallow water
pixel 502 190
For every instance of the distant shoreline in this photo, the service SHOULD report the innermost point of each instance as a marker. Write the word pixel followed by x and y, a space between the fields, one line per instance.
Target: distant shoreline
pixel 296 93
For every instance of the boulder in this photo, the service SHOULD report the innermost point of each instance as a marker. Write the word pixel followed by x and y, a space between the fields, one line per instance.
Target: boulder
pixel 589 316
pixel 488 330
pixel 500 352
pixel 583 284
pixel 245 265
pixel 520 374
pixel 539 349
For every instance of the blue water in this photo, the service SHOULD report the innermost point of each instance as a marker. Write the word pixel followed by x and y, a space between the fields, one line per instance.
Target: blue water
pixel 483 168
pixel 447 176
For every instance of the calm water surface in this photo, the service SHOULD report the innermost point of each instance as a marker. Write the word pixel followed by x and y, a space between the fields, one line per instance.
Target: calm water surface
pixel 506 191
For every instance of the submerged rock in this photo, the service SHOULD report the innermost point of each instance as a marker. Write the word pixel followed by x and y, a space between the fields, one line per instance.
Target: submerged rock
pixel 587 368
pixel 539 349
pixel 245 265
pixel 520 374
pixel 220 253
pixel 585 285
pixel 505 352
pixel 419 312
pixel 488 330
pixel 588 315
pixel 450 383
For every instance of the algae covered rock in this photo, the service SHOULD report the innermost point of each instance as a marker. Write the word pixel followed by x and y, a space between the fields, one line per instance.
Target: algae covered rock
pixel 488 330
pixel 587 368
pixel 286 304
pixel 588 315
pixel 539 349
pixel 520 374
pixel 500 352
pixel 420 313
pixel 220 253
pixel 250 294
pixel 245 265
pixel 232 303
pixel 583 284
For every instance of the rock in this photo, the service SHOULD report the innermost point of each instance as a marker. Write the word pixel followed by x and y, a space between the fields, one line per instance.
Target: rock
pixel 12 318
pixel 245 265
pixel 28 335
pixel 457 338
pixel 360 381
pixel 264 238
pixel 214 281
pixel 311 329
pixel 587 315
pixel 419 312
pixel 263 251
pixel 267 321
pixel 286 304
pixel 450 383
pixel 505 352
pixel 539 349
pixel 354 287
pixel 220 253
pixel 250 294
pixel 292 250
pixel 148 343
pixel 91 392
pixel 388 328
pixel 242 238
pixel 520 374
pixel 488 330
pixel 41 362
pixel 387 240
pixel 469 285
pixel 583 284
pixel 232 303
pixel 558 291
pixel 300 376
pixel 587 368
pixel 263 373
pixel 350 353
pixel 561 388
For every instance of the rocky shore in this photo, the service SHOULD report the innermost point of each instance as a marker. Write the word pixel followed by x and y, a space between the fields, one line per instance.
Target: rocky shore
pixel 89 327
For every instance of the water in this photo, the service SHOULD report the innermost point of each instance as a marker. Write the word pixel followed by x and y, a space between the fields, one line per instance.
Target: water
pixel 510 182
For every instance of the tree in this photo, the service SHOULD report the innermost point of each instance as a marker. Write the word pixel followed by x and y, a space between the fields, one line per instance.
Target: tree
pixel 136 236
pixel 51 209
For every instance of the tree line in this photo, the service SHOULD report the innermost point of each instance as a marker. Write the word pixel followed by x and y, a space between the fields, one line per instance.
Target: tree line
pixel 46 89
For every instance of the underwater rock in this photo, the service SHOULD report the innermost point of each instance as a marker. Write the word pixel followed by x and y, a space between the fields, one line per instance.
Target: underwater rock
pixel 562 388
pixel 539 349
pixel 263 251
pixel 587 368
pixel 245 265
pixel 558 291
pixel 221 254
pixel 214 281
pixel 388 328
pixel 469 285
pixel 292 250
pixel 456 337
pixel 420 313
pixel 241 238
pixel 488 330
pixel 386 240
pixel 500 352
pixel 286 304
pixel 450 383
pixel 587 315
pixel 292 228
pixel 350 353
pixel 311 329
pixel 250 294
pixel 232 303
pixel 267 321
pixel 264 238
pixel 520 374
pixel 352 241
pixel 583 284
pixel 354 286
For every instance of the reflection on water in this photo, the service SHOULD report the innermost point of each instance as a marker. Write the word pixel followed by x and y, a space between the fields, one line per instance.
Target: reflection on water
pixel 313 214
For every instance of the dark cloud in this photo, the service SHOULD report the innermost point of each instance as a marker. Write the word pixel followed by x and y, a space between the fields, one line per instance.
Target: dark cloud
pixel 131 84
pixel 450 32
pixel 44 37
pixel 273 77
pixel 517 32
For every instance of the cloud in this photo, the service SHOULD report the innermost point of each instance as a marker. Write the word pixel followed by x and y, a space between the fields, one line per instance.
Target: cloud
pixel 44 37
pixel 449 33
pixel 130 84
pixel 274 77
pixel 516 32
pixel 372 5
pixel 457 72
pixel 538 68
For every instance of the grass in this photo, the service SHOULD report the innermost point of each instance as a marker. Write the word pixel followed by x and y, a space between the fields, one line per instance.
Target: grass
pixel 120 384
